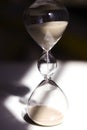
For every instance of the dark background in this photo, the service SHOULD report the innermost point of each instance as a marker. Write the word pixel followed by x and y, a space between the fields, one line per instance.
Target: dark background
pixel 17 45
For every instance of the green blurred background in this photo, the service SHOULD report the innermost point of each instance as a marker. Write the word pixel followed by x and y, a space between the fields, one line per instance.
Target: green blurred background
pixel 17 45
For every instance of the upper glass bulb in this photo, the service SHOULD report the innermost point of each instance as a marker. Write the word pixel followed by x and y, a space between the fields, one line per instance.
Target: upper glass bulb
pixel 45 21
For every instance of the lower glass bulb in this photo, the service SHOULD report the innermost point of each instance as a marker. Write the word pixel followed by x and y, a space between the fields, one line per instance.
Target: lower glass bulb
pixel 48 104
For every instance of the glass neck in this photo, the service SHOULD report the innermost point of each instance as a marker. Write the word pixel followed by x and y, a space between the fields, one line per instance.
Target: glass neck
pixel 47 64
pixel 47 77
pixel 47 53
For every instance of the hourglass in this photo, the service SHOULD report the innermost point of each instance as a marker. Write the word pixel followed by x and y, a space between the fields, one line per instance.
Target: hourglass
pixel 45 21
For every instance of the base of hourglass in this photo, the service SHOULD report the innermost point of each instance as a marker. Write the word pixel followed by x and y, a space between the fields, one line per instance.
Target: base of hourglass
pixel 47 104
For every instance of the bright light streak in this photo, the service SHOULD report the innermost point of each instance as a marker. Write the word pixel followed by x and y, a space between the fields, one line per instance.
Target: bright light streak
pixel 73 81
pixel 32 78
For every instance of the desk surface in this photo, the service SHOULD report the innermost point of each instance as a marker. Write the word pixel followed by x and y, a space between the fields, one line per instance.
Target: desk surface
pixel 16 81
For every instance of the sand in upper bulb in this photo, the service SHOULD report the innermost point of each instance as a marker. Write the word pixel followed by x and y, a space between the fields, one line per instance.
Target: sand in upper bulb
pixel 45 116
pixel 47 34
